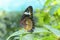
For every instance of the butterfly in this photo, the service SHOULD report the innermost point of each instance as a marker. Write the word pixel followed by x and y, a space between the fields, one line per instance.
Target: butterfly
pixel 27 19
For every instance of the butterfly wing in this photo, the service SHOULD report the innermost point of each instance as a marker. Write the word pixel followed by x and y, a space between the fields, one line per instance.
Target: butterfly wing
pixel 27 20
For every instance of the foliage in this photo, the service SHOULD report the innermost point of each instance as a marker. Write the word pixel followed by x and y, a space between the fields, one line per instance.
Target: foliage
pixel 47 24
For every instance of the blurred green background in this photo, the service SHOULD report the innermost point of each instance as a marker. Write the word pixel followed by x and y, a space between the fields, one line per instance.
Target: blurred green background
pixel 46 18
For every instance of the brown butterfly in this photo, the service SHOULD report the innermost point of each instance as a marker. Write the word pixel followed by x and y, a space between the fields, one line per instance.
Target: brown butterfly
pixel 27 19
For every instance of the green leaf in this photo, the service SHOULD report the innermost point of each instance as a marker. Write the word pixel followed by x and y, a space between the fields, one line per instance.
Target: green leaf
pixel 28 37
pixel 20 32
pixel 47 2
pixel 17 33
pixel 54 9
pixel 39 30
pixel 54 31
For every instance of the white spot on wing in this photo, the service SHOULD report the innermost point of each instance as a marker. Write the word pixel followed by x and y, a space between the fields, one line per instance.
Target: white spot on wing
pixel 27 13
